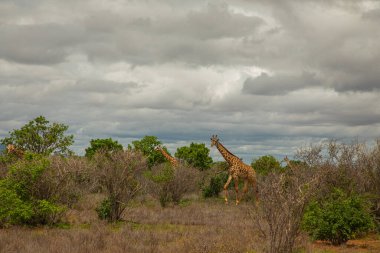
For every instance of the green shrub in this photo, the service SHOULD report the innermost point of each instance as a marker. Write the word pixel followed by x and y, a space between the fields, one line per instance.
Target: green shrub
pixel 20 194
pixel 160 178
pixel 215 186
pixel 338 218
pixel 23 176
pixel 46 212
pixel 160 175
pixel 266 164
pixel 12 209
pixel 104 209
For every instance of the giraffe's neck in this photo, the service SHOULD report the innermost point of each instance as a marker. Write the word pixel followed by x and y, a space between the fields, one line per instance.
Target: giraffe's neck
pixel 228 156
pixel 289 164
pixel 167 156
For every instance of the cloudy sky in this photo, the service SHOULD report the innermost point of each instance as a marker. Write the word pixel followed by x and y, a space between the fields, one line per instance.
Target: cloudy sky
pixel 267 76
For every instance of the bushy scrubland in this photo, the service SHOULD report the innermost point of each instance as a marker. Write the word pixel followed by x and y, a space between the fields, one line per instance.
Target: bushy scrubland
pixel 331 193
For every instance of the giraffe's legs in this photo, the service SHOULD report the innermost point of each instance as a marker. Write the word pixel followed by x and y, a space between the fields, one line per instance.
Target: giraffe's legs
pixel 256 190
pixel 236 181
pixel 245 189
pixel 226 188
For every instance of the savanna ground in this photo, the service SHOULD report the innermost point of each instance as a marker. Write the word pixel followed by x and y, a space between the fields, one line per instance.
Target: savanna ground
pixel 196 225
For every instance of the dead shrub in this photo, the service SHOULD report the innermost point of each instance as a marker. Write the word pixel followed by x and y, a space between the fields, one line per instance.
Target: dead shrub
pixel 65 179
pixel 279 213
pixel 353 167
pixel 168 184
pixel 118 174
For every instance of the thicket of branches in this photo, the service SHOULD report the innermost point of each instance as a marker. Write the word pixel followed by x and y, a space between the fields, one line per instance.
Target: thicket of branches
pixel 118 175
pixel 322 170
pixel 169 184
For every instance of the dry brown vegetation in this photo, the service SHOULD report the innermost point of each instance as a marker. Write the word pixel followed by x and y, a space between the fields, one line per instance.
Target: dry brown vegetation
pixel 284 197
pixel 117 174
pixel 170 185
pixel 193 226
pixel 190 223
pixel 198 226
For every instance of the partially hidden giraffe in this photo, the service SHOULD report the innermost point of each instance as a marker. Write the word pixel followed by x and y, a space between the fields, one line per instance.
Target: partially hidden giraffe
pixel 173 161
pixel 237 170
pixel 11 149
pixel 286 159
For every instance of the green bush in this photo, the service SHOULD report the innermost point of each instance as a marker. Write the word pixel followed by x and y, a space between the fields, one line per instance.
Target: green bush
pixel 12 209
pixel 160 178
pixel 46 212
pixel 104 209
pixel 338 218
pixel 20 194
pixel 266 164
pixel 215 186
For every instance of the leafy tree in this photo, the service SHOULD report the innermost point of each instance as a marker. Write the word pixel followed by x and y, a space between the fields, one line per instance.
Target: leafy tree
pixel 38 136
pixel 108 145
pixel 196 155
pixel 147 146
pixel 266 164
pixel 338 218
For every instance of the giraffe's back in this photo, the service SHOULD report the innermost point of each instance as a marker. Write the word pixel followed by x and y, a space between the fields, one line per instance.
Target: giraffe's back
pixel 243 171
pixel 250 172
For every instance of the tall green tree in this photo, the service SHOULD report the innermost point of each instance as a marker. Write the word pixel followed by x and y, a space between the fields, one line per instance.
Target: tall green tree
pixel 147 146
pixel 197 155
pixel 266 164
pixel 107 145
pixel 38 136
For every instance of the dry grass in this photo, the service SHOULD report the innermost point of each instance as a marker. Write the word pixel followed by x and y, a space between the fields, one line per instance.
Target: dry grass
pixel 198 226
pixel 370 244
pixel 193 226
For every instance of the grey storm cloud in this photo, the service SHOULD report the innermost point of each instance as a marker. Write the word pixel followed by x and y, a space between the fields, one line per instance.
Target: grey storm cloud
pixel 279 84
pixel 267 76
pixel 372 15
pixel 197 36
pixel 38 44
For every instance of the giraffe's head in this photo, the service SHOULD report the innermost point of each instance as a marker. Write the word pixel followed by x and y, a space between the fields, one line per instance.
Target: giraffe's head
pixel 286 159
pixel 10 148
pixel 158 148
pixel 214 140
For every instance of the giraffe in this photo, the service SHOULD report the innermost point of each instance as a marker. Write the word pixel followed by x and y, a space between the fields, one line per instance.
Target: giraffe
pixel 286 159
pixel 11 149
pixel 237 170
pixel 173 161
